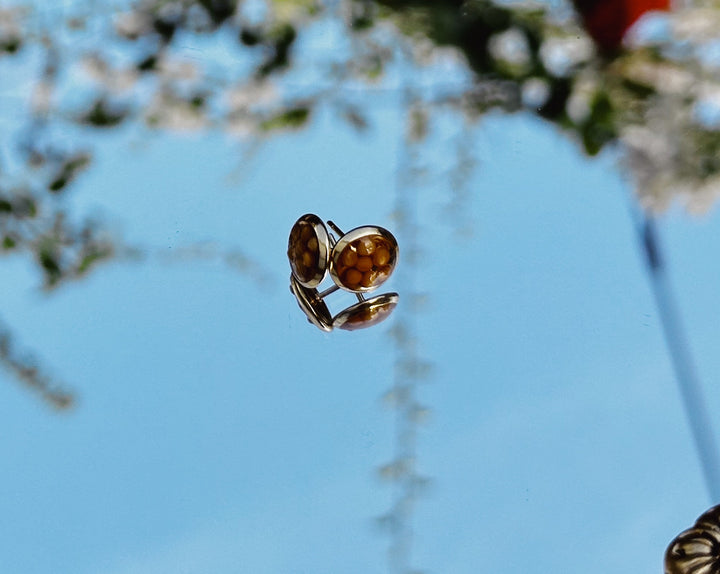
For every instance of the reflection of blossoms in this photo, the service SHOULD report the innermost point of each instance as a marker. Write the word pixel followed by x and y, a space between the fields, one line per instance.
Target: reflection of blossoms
pixel 707 106
pixel 579 104
pixel 177 70
pixel 112 79
pixel 169 111
pixel 670 136
pixel 659 99
pixel 240 126
pixel 41 98
pixel 695 25
pixel 663 77
pixel 511 47
pixel 250 96
pixel 651 158
pixel 244 103
pixel 668 157
pixel 562 55
pixel 535 92
pixel 132 25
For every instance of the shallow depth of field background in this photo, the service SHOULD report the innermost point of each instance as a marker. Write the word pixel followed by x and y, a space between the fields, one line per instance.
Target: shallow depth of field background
pixel 217 432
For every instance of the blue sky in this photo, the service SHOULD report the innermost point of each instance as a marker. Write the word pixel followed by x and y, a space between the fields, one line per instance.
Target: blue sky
pixel 218 432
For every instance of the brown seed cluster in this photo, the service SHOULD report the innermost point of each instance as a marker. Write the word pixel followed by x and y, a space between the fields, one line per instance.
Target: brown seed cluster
pixel 303 252
pixel 366 262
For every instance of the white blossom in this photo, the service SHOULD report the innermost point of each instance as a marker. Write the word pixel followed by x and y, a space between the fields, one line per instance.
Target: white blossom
pixel 113 79
pixel 702 198
pixel 10 28
pixel 172 113
pixel 510 46
pixel 535 92
pixel 561 54
pixel 664 77
pixel 132 24
pixel 251 95
pixel 41 98
pixel 578 104
pixel 695 24
pixel 240 126
pixel 707 106
pixel 178 70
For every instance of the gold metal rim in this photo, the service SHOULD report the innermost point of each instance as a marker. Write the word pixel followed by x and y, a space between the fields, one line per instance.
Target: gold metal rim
pixel 354 235
pixel 314 308
pixel 323 240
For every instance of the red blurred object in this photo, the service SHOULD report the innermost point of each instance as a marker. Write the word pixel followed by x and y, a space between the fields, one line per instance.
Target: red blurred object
pixel 608 20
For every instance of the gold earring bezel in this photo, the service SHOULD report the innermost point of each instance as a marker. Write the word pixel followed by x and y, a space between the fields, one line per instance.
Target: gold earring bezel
pixel 370 232
pixel 312 305
pixel 315 273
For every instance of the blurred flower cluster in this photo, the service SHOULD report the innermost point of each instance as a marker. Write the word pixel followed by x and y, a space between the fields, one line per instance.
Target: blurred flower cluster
pixel 655 101
pixel 667 91
pixel 254 68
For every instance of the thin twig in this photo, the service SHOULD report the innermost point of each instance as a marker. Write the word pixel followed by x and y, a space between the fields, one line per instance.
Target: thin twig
pixel 680 356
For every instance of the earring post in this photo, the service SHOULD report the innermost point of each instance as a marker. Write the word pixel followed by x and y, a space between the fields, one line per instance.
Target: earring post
pixel 340 232
pixel 335 228
pixel 327 291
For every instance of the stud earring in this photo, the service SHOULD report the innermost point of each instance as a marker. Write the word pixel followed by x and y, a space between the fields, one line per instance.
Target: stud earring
pixel 309 250
pixel 358 262
pixel 366 313
pixel 362 259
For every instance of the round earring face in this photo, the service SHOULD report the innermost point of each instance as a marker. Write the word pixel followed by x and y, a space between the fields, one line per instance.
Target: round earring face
pixel 314 307
pixel 363 259
pixel 366 313
pixel 308 250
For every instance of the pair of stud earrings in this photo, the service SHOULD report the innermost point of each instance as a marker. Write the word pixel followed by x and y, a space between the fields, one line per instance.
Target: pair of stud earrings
pixel 359 261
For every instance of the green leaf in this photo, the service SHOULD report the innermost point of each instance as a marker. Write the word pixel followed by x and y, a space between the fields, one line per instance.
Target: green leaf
pixel 219 10
pixel 48 259
pixel 24 206
pixel 294 118
pixel 250 36
pixel 147 64
pixel 68 171
pixel 10 45
pixel 599 129
pixel 282 38
pixel 94 256
pixel 103 115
